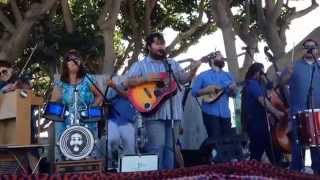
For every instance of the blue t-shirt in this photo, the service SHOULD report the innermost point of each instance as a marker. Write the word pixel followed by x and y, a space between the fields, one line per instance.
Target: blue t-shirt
pixel 254 112
pixel 121 111
pixel 223 79
pixel 299 85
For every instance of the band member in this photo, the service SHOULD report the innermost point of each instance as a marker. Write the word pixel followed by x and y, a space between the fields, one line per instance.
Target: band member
pixel 158 125
pixel 216 115
pixel 121 129
pixel 255 107
pixel 298 77
pixel 73 78
pixel 8 79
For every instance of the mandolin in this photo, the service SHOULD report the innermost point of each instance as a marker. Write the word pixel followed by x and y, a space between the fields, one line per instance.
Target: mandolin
pixel 213 96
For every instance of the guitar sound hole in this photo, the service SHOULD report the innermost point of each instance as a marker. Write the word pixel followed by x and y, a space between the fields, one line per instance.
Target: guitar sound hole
pixel 147 105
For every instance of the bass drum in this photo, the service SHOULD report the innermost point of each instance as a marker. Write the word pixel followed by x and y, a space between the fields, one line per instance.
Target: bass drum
pixel 76 142
pixel 309 127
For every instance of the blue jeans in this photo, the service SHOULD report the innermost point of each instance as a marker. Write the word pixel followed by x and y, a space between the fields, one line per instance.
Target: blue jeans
pixel 298 151
pixel 124 135
pixel 160 139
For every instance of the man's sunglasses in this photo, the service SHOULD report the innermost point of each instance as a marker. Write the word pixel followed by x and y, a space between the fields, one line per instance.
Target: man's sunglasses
pixel 4 72
pixel 310 47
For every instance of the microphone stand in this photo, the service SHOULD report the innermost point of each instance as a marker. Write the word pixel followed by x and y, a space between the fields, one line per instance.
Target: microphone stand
pixel 268 121
pixel 172 77
pixel 310 102
pixel 105 103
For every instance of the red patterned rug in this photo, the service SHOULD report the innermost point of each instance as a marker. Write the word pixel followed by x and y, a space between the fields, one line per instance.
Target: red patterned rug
pixel 239 170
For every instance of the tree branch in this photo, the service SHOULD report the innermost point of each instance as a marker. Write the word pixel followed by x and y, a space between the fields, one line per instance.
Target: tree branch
pixel 132 15
pixel 16 12
pixel 276 10
pixel 38 9
pixel 67 16
pixel 184 35
pixel 261 19
pixel 110 13
pixel 6 23
pixel 120 62
pixel 148 8
pixel 204 28
pixel 303 12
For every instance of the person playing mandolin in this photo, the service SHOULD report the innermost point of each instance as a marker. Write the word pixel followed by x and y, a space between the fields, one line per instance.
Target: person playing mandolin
pixel 215 86
pixel 158 124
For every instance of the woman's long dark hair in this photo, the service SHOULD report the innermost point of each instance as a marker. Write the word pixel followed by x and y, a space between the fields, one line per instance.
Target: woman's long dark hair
pixel 65 71
pixel 253 69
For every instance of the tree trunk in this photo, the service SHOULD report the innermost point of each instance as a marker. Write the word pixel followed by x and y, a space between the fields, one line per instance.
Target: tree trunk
pixel 230 46
pixel 15 45
pixel 67 16
pixel 224 21
pixel 107 21
pixel 109 56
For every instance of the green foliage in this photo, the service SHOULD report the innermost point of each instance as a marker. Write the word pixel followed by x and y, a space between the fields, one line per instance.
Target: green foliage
pixel 4 1
pixel 179 15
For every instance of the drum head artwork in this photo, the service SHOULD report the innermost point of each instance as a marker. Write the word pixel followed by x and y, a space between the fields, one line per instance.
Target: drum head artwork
pixel 76 142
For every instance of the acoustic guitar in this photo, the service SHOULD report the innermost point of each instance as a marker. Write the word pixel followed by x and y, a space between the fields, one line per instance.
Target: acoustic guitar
pixel 147 97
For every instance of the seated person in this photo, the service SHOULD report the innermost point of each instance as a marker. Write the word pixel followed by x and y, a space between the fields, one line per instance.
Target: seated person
pixel 121 129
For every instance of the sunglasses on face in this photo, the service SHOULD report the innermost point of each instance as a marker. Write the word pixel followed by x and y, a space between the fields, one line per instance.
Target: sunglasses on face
pixel 310 47
pixel 4 72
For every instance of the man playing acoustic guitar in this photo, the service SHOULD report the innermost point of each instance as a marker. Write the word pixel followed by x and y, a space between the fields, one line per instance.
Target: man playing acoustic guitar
pixel 216 85
pixel 158 124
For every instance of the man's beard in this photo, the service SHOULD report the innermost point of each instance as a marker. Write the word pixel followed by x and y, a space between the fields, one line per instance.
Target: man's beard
pixel 219 63
pixel 157 56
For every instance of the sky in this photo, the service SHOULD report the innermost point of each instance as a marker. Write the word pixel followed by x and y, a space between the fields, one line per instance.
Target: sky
pixel 299 28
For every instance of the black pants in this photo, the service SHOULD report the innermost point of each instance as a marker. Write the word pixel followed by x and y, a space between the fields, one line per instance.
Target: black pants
pixel 260 142
pixel 216 126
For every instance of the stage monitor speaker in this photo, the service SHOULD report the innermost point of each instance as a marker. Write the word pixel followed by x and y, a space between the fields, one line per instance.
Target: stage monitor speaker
pixel 143 162
pixel 226 149
pixel 194 157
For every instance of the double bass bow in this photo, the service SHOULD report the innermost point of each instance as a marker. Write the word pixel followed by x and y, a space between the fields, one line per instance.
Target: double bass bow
pixel 279 100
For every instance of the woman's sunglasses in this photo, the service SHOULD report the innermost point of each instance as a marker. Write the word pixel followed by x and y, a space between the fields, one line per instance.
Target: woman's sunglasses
pixel 4 72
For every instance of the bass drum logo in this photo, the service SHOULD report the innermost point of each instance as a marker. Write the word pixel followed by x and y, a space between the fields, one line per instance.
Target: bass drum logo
pixel 76 142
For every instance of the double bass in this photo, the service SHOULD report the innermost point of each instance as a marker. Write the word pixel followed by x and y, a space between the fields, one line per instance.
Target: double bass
pixel 279 100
